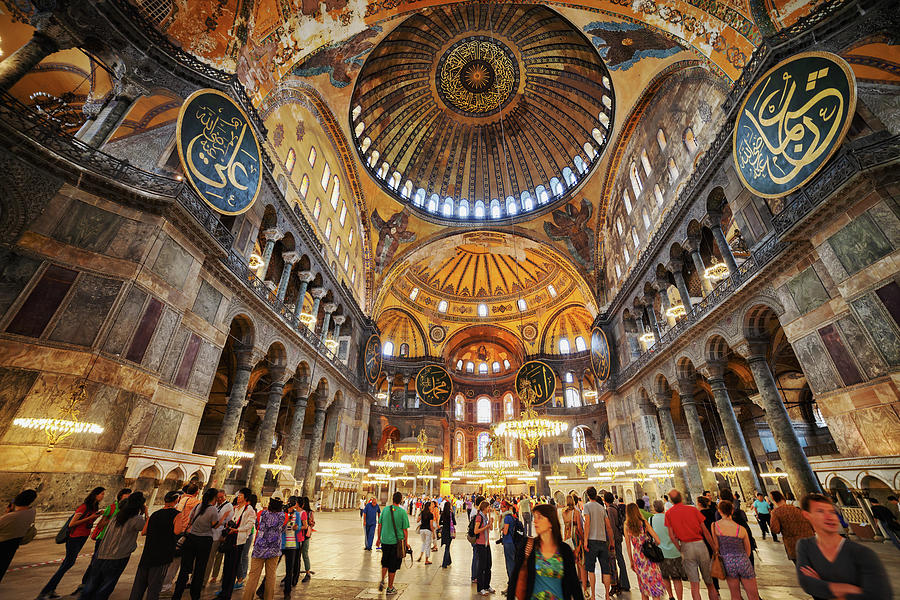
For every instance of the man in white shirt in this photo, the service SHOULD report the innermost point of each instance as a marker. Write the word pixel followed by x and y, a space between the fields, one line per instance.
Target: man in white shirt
pixel 226 510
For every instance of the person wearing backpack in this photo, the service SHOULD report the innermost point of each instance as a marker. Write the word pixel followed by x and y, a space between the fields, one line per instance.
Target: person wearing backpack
pixel 99 531
pixel 508 538
pixel 393 532
pixel 74 534
pixel 482 531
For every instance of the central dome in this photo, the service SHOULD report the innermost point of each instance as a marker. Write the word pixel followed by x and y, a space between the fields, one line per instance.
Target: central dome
pixel 476 112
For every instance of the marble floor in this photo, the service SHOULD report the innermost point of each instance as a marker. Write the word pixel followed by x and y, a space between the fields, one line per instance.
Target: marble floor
pixel 344 570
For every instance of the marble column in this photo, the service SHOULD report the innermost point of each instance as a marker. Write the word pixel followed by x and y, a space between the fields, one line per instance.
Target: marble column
pixel 698 440
pixel 290 259
pixel 236 402
pixel 315 451
pixel 651 315
pixel 328 308
pixel 292 443
pixel 317 294
pixel 271 236
pixel 737 445
pixel 266 430
pixel 338 321
pixel 663 286
pixel 694 249
pixel 112 114
pixel 724 248
pixel 801 476
pixel 681 284
pixel 305 277
pixel 18 64
pixel 667 427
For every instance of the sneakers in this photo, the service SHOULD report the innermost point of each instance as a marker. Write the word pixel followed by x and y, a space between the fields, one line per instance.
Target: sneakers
pixel 484 593
pixel 305 578
pixel 390 590
pixel 380 586
pixel 491 590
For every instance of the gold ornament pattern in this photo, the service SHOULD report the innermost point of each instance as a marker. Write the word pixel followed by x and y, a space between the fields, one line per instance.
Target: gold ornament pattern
pixel 477 77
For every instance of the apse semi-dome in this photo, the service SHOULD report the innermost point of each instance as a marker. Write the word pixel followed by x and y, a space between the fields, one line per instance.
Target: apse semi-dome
pixel 479 112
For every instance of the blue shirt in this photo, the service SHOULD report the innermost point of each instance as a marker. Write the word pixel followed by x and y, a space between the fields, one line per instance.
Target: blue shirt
pixel 548 577
pixel 762 507
pixel 370 513
pixel 511 521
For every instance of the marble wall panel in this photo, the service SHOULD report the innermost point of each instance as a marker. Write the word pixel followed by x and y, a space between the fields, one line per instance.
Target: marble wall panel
pixel 172 358
pixel 846 368
pixel 807 291
pixel 819 373
pixel 164 428
pixel 126 321
pixel 131 241
pixel 140 419
pixel 43 399
pixel 87 227
pixel 161 339
pixel 59 491
pixel 880 424
pixel 107 410
pixel 887 222
pixel 187 361
pixel 42 302
pixel 206 304
pixel 882 331
pixel 861 348
pixel 14 386
pixel 86 311
pixel 859 244
pixel 890 296
pixel 145 330
pixel 15 273
pixel 204 369
pixel 173 262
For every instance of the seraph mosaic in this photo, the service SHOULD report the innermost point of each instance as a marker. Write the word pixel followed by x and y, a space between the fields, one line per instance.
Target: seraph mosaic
pixel 339 60
pixel 571 225
pixel 622 45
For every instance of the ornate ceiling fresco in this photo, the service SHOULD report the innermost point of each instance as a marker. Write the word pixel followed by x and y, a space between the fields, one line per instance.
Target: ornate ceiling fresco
pixel 481 112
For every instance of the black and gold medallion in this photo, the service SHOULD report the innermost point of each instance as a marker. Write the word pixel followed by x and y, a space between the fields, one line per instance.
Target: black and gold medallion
pixel 372 359
pixel 535 383
pixel 433 385
pixel 599 354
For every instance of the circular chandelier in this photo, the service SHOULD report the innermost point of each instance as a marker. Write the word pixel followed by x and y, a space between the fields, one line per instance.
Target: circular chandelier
pixel 530 427
pixel 68 423
pixel 581 459
pixel 716 271
pixel 387 463
pixel 421 458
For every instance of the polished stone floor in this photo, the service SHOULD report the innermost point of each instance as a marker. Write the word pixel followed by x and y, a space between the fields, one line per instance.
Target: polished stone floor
pixel 343 569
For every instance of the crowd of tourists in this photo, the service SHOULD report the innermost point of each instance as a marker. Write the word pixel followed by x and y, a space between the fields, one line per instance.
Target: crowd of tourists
pixel 203 539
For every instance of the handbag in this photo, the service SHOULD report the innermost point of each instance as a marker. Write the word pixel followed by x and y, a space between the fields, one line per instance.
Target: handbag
pixel 401 543
pixel 716 568
pixel 63 534
pixel 229 541
pixel 182 537
pixel 522 579
pixel 290 538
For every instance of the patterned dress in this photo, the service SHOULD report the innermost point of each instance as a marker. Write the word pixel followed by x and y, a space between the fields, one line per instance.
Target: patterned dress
pixel 548 577
pixel 648 575
pixel 731 551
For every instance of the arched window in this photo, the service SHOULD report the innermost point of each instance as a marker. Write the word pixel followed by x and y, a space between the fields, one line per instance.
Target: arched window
pixel 542 196
pixel 506 364
pixel 459 365
pixel 404 349
pixel 304 186
pixel 626 255
pixel 636 184
pixel 357 110
pixel 359 129
pixel 619 225
pixel 483 410
pixel 343 217
pixel 563 346
pixel 373 159
pixel 365 144
pixel 661 139
pixel 495 367
pixel 590 151
pixel 527 202
pixel 569 177
pixel 673 170
pixel 394 181
pixel 463 209
pixel 350 238
pixel 604 120
pixel 580 345
pixel 618 271
pixel 645 162
pixel 326 176
pixel 337 245
pixel 317 209
pixel 470 367
pixel 657 191
pixel 479 209
pixel 419 200
pixel 346 260
pixel 626 198
pixel 484 439
pixel 459 447
pixel 495 209
pixel 556 187
pixel 579 164
pixel 522 305
pixel 569 377
pixel 442 306
pixel 646 218
pixel 383 171
pixel 413 293
pixel 432 203
pixel 407 189
pixel 573 399
pixel 551 290
pixel 482 310
pixel 607 101
pixel 482 368
pixel 578 440
pixel 635 238
pixel 290 160
pixel 353 276
pixel 447 210
pixel 312 156
pixel 689 142
pixel 511 206
pixel 388 348
pixel 598 135
pixel 328 230
pixel 509 410
pixel 459 408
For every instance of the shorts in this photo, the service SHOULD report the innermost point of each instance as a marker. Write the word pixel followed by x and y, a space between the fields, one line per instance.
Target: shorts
pixel 390 560
pixel 694 557
pixel 597 550
pixel 672 569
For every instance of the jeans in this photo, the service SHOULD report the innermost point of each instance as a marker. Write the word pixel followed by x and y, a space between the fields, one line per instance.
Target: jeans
pixel 193 560
pixel 87 572
pixel 103 579
pixel 244 559
pixel 446 562
pixel 509 554
pixel 304 553
pixel 484 566
pixel 214 557
pixel 624 584
pixel 764 525
pixel 73 547
pixel 256 567
pixel 230 563
pixel 425 534
pixel 370 535
pixel 148 579
pixel 475 563
pixel 7 551
pixel 290 554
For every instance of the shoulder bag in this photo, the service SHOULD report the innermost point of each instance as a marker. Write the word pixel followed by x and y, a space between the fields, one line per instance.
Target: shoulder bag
pixel 650 550
pixel 401 543
pixel 229 541
pixel 179 543
pixel 716 568
pixel 63 534
pixel 522 580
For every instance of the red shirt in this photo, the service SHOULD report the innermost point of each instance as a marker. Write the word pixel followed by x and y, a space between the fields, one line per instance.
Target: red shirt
pixel 685 523
pixel 84 529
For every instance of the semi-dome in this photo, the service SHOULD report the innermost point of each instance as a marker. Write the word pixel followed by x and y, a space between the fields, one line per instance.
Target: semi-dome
pixel 480 112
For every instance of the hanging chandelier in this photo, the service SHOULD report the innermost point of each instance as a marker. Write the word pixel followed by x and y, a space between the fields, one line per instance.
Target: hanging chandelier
pixel 555 476
pixel 716 271
pixel 387 463
pixel 336 466
pixel 530 427
pixel 676 310
pixel 665 463
pixel 276 467
pixel 581 459
pixel 68 423
pixel 422 458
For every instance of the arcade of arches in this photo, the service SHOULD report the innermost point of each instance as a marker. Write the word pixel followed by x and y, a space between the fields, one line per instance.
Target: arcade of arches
pixel 480 185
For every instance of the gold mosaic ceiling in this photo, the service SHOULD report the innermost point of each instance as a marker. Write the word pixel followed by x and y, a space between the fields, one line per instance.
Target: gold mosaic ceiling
pixel 482 112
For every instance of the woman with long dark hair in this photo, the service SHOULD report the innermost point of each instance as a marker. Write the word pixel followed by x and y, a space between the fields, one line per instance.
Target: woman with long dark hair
pixel 79 528
pixel 307 523
pixel 113 552
pixel 549 563
pixel 637 532
pixel 426 531
pixel 448 525
pixel 198 544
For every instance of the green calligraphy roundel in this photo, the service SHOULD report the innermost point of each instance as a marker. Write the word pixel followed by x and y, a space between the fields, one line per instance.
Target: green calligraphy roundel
pixel 219 151
pixel 433 385
pixel 792 121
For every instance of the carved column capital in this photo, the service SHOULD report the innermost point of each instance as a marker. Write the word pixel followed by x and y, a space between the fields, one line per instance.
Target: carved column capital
pixel 675 265
pixel 330 307
pixel 306 276
pixel 692 243
pixel 291 257
pixel 686 389
pixel 662 400
pixel 318 293
pixel 338 320
pixel 272 235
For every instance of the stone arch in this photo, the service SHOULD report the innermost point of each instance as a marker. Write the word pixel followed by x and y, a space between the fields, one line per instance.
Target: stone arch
pixel 243 329
pixel 179 472
pixel 716 199
pixel 760 319
pixel 716 348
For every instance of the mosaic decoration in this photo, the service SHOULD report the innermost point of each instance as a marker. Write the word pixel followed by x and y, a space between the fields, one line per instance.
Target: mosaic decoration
pixel 477 76
pixel 571 225
pixel 792 121
pixel 622 45
pixel 219 151
pixel 537 380
pixel 529 332
pixel 372 359
pixel 433 385
pixel 599 354
pixel 437 334
pixel 390 234
pixel 339 60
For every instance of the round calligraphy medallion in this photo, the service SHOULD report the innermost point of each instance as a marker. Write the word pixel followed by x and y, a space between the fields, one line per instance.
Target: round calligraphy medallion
pixel 219 151
pixel 599 354
pixel 792 121
pixel 372 359
pixel 536 380
pixel 433 385
pixel 477 76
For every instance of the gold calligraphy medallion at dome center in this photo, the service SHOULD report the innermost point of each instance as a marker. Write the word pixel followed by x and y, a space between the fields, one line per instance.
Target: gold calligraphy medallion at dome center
pixel 477 77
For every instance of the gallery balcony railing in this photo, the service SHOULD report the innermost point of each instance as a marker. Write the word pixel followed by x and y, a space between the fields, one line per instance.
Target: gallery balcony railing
pixel 855 157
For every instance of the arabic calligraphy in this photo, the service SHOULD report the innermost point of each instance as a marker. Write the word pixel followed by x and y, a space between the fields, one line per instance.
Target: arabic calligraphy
pixel 219 151
pixel 477 76
pixel 599 354
pixel 433 385
pixel 372 359
pixel 535 383
pixel 792 121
